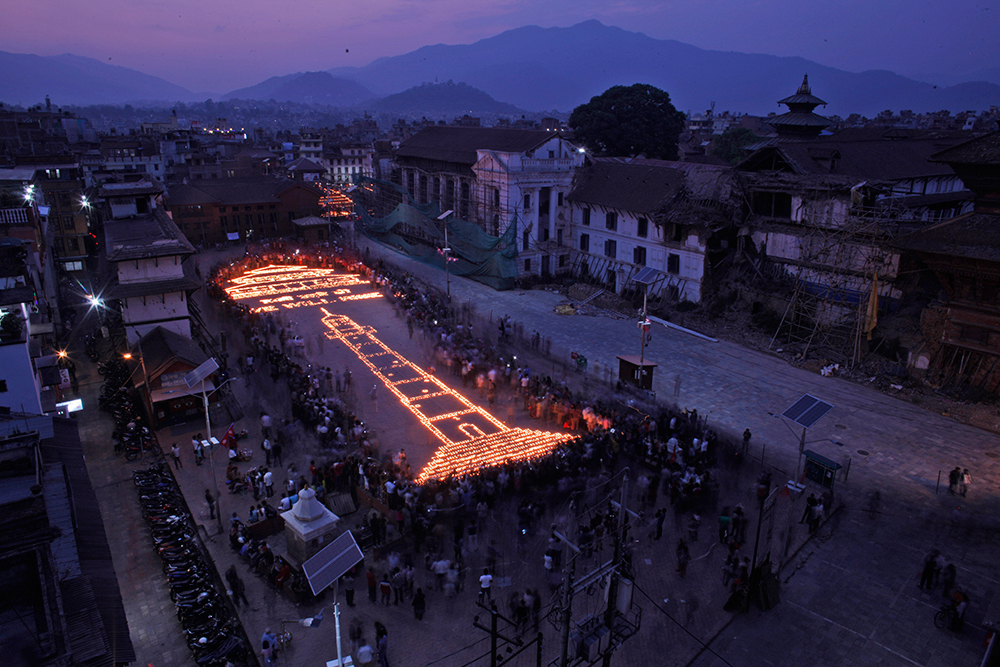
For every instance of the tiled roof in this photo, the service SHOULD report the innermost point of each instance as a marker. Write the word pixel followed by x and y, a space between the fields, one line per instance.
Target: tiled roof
pixel 638 188
pixel 459 144
pixel 161 347
pixel 304 164
pixel 641 185
pixel 972 236
pixel 879 160
pixel 149 235
pixel 96 564
pixel 981 150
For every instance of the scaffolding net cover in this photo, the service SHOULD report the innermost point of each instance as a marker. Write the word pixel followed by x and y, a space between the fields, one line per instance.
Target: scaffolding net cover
pixel 387 213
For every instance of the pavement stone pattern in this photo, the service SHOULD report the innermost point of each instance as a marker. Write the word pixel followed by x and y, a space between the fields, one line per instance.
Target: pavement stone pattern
pixel 849 596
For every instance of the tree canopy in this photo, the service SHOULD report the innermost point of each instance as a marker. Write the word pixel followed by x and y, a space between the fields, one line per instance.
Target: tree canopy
pixel 729 145
pixel 628 121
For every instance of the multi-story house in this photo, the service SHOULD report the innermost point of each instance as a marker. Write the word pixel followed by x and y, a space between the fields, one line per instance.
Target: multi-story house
pixel 241 209
pixel 495 178
pixel 349 162
pixel 56 184
pixel 633 213
pixel 146 255
pixel 126 156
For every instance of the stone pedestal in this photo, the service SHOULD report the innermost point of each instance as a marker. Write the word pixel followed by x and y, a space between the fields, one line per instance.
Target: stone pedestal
pixel 309 526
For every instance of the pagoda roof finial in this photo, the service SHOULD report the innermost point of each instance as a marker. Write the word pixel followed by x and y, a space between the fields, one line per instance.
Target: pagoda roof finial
pixel 804 88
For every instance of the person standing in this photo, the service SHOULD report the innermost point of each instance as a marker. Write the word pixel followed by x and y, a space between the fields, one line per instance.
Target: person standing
pixel 419 604
pixel 175 452
pixel 211 504
pixel 725 523
pixel 966 480
pixel 683 557
pixel 948 575
pixel 383 650
pixel 196 444
pixel 927 574
pixel 266 446
pixel 237 586
pixel 385 589
pixel 811 502
pixel 485 583
pixel 746 442
pixel 372 585
pixel 954 477
pixel 268 483
pixel 265 425
pixel 349 588
pixel 276 452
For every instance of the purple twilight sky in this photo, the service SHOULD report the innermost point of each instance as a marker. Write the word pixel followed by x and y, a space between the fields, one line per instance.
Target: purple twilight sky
pixel 221 45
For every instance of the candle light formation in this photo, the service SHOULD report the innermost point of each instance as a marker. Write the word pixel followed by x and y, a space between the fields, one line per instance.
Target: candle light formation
pixel 471 437
pixel 274 285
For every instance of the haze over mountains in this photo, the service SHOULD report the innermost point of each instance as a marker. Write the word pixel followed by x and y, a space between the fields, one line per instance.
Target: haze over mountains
pixel 529 68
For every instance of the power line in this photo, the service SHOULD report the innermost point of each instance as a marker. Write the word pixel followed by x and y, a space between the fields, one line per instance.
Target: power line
pixel 681 626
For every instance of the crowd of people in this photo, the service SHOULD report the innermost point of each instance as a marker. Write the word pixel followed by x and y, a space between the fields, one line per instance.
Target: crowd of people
pixel 441 525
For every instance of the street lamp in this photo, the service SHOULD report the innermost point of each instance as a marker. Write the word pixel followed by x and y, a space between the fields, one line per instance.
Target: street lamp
pixel 196 376
pixel 446 251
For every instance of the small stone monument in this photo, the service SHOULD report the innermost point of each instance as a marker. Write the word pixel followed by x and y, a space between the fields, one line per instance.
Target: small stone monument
pixel 309 526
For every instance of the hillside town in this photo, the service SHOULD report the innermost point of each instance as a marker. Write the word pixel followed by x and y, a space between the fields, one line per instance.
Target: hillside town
pixel 604 331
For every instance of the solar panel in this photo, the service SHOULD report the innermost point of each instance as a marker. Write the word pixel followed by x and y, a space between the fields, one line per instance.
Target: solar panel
pixel 807 411
pixel 646 276
pixel 332 562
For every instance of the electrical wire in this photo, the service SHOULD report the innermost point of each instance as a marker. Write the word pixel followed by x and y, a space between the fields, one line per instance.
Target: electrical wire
pixel 681 626
pixel 464 648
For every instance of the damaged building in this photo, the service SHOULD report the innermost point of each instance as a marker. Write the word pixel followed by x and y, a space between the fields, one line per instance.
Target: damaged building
pixel 631 213
pixel 822 212
pixel 957 263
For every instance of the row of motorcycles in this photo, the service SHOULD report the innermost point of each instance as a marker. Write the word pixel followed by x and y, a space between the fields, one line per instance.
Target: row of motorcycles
pixel 210 627
pixel 130 437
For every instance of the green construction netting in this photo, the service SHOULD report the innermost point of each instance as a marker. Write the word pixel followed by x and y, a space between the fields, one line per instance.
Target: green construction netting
pixel 414 230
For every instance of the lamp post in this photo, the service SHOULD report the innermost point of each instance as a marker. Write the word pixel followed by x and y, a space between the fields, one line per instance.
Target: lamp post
pixel 193 378
pixel 447 252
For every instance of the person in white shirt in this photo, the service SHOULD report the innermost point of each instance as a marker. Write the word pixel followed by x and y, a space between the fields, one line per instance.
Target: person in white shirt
pixel 269 483
pixel 485 581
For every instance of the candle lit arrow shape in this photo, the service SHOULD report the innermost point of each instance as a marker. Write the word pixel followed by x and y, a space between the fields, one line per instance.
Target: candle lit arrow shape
pixel 472 438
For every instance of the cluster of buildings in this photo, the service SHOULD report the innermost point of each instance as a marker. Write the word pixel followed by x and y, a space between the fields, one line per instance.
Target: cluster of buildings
pixel 831 213
pixel 852 224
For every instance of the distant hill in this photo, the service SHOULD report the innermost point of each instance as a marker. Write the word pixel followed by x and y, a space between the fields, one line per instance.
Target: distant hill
pixel 306 88
pixel 443 99
pixel 559 68
pixel 26 79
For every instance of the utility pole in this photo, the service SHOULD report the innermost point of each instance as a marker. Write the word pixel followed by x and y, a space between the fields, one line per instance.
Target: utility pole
pixel 612 610
pixel 447 253
pixel 567 612
pixel 494 631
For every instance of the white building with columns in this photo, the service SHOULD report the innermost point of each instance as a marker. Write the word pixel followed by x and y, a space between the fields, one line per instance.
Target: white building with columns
pixel 495 177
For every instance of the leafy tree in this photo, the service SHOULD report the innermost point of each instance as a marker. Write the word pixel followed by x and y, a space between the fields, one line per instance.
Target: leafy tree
pixel 629 121
pixel 730 143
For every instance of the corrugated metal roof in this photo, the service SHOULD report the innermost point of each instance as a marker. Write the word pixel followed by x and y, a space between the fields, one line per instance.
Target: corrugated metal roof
pixel 91 540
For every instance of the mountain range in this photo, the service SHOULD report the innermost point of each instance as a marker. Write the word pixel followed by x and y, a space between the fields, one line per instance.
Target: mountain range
pixel 531 68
